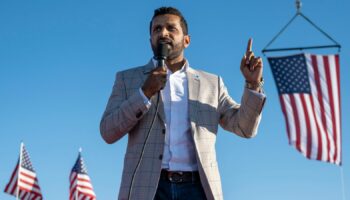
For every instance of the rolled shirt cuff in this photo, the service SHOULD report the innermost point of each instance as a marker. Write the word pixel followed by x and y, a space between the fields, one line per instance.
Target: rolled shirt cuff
pixel 146 101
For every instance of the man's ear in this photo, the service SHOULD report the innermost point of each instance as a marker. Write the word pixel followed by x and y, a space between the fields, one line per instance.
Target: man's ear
pixel 187 40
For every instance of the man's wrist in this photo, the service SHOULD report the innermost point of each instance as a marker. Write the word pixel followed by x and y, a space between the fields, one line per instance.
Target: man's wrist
pixel 146 100
pixel 146 93
pixel 255 85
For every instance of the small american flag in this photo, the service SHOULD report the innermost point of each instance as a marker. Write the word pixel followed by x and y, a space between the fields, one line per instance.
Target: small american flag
pixel 309 92
pixel 80 184
pixel 23 182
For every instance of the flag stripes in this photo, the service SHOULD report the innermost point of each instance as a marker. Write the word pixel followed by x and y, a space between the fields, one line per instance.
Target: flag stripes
pixel 311 107
pixel 23 182
pixel 11 187
pixel 24 185
pixel 80 183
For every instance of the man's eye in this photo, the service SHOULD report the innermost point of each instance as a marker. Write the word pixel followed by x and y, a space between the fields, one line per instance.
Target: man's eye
pixel 157 29
pixel 171 28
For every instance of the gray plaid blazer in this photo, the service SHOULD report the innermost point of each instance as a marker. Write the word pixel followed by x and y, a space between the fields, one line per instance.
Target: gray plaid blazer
pixel 209 106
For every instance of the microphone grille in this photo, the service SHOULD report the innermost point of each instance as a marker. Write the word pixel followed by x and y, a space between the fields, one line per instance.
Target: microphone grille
pixel 162 50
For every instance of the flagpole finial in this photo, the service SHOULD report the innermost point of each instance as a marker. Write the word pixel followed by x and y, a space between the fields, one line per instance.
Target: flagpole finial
pixel 298 4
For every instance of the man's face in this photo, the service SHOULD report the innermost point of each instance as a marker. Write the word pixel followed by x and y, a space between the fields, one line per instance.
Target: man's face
pixel 166 28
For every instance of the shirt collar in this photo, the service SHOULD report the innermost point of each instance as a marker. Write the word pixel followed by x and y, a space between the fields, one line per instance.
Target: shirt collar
pixel 183 68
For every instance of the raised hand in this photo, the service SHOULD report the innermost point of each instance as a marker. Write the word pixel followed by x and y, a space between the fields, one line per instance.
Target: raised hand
pixel 251 66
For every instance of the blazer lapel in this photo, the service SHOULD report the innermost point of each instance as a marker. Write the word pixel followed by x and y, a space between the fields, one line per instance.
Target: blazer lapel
pixel 193 92
pixel 161 113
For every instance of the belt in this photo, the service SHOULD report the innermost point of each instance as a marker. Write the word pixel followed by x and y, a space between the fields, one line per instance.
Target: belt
pixel 179 176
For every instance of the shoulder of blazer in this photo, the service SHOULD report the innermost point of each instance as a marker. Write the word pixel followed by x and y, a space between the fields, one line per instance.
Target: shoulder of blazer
pixel 144 69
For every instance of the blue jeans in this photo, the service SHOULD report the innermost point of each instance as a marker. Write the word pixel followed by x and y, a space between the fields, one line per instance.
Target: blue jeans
pixel 179 191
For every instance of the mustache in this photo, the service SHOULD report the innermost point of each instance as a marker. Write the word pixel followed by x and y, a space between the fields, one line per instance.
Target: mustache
pixel 165 41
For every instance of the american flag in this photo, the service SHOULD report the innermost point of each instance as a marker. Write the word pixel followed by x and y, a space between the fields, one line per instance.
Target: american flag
pixel 309 92
pixel 80 184
pixel 23 182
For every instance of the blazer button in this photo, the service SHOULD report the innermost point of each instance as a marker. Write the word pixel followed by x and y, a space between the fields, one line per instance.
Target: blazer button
pixel 138 115
pixel 160 156
pixel 163 131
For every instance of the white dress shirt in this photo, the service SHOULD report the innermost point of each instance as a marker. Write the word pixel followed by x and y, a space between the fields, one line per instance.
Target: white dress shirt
pixel 179 151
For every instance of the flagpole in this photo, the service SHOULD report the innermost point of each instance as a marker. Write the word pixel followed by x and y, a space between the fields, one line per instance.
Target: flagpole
pixel 77 193
pixel 19 169
pixel 342 181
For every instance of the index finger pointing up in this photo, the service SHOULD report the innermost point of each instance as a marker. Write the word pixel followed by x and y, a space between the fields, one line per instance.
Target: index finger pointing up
pixel 250 43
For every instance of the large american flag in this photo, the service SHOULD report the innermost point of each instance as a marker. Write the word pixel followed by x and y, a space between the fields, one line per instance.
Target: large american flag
pixel 80 184
pixel 24 182
pixel 309 92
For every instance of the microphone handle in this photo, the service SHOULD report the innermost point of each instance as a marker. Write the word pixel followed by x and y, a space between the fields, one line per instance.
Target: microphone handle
pixel 160 63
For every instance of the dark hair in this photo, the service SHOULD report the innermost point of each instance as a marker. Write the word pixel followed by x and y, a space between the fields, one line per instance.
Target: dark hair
pixel 172 11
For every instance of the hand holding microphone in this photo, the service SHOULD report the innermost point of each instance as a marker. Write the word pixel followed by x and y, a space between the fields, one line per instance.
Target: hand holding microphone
pixel 157 79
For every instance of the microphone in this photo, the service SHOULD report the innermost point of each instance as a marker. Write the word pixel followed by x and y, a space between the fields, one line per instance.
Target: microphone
pixel 162 53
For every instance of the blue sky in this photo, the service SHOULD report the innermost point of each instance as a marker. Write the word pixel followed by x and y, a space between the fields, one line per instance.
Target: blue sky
pixel 58 61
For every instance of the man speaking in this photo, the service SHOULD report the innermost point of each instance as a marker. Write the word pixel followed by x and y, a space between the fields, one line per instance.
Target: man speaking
pixel 171 114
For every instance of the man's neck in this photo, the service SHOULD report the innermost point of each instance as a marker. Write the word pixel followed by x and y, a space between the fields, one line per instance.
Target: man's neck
pixel 175 64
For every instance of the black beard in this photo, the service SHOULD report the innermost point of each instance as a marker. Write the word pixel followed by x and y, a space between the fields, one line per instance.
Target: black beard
pixel 175 50
pixel 174 54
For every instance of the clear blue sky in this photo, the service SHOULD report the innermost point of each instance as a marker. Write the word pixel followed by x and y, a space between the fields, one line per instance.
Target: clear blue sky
pixel 58 61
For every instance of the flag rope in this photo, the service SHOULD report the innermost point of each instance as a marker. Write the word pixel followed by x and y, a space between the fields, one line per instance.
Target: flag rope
pixel 299 13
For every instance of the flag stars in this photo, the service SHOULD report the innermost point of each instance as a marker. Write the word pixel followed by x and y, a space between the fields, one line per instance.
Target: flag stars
pixel 25 163
pixel 290 74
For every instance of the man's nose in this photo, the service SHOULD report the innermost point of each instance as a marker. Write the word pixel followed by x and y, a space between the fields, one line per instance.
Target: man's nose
pixel 164 32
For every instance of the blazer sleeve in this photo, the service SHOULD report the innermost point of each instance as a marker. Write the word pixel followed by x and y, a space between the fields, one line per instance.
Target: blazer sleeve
pixel 123 111
pixel 242 119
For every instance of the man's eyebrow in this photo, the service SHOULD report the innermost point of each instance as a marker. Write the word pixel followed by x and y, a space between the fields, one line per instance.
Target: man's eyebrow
pixel 171 23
